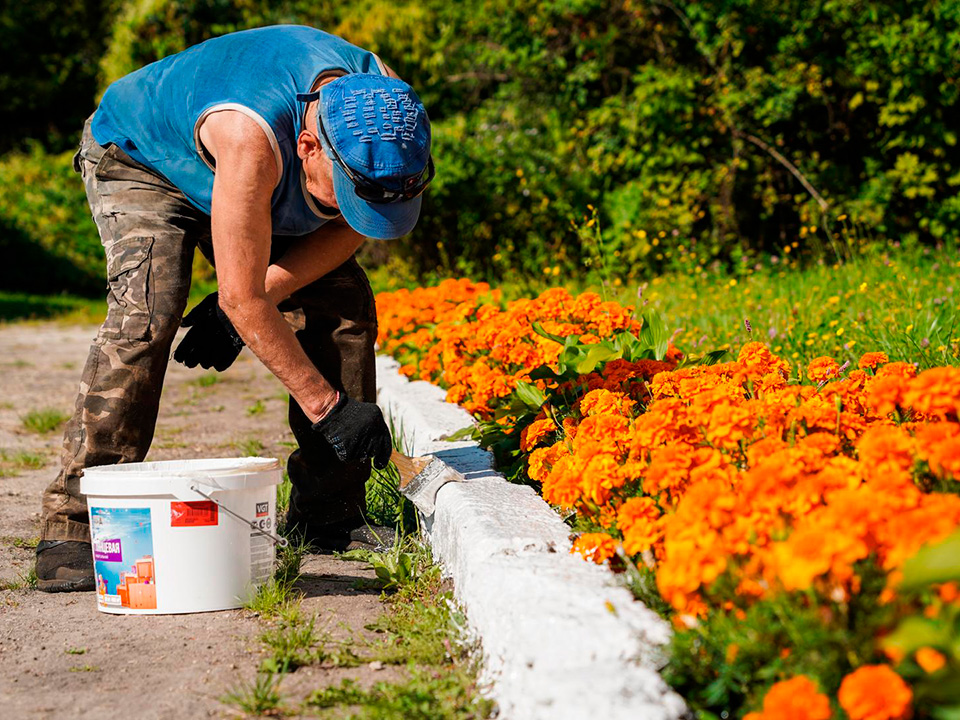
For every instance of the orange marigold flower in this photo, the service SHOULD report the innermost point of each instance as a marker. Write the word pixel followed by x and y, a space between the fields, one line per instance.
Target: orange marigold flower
pixel 898 369
pixel 949 592
pixel 875 692
pixel 872 359
pixel 757 360
pixel 935 393
pixel 885 393
pixel 930 660
pixel 534 433
pixel 886 448
pixel 639 521
pixel 604 402
pixel 822 369
pixel 794 699
pixel 596 547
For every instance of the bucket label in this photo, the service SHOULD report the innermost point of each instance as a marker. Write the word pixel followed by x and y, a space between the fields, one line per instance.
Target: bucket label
pixel 107 550
pixel 194 513
pixel 123 557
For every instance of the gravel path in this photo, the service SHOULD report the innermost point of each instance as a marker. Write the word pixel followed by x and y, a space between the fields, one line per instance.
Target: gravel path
pixel 59 657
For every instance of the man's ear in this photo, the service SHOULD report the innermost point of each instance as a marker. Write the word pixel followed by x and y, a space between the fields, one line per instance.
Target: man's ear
pixel 307 145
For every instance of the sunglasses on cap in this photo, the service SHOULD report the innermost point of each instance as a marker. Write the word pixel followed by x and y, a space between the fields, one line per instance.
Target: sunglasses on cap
pixel 373 192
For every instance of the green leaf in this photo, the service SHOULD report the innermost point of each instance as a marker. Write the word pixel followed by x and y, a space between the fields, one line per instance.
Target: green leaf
pixel 595 356
pixel 470 432
pixel 530 395
pixel 947 713
pixel 654 336
pixel 711 358
pixel 629 346
pixel 545 372
pixel 538 329
pixel 916 632
pixel 933 564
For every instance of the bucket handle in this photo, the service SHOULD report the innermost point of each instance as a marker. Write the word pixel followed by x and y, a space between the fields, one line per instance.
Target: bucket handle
pixel 281 541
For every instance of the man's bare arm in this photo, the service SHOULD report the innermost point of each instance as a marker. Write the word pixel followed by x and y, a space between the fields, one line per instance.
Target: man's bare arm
pixel 310 258
pixel 240 219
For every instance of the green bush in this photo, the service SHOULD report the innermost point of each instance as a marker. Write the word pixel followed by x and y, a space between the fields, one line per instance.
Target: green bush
pixel 48 77
pixel 731 126
pixel 45 226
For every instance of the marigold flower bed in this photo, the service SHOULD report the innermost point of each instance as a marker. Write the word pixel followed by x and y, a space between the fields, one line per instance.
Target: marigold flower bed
pixel 735 492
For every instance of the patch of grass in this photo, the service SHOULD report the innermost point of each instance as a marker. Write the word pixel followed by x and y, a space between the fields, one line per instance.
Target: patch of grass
pixel 170 444
pixel 259 697
pixel 385 505
pixel 421 630
pixel 904 301
pixel 291 643
pixel 249 447
pixel 75 651
pixel 399 567
pixel 417 627
pixel 257 408
pixel 206 380
pixel 44 421
pixel 276 596
pixel 23 581
pixel 427 694
pixel 65 308
pixel 85 668
pixel 6 405
pixel 23 543
pixel 283 499
pixel 14 463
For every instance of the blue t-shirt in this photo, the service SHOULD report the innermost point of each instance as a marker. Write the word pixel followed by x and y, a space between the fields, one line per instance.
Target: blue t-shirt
pixel 154 114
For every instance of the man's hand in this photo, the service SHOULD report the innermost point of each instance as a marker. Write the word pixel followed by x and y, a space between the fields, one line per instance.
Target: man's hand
pixel 357 431
pixel 212 340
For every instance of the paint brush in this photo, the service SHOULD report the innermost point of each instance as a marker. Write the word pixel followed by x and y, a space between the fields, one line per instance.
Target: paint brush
pixel 422 477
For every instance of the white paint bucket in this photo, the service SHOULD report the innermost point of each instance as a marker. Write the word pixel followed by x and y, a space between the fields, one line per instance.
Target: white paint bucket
pixel 181 536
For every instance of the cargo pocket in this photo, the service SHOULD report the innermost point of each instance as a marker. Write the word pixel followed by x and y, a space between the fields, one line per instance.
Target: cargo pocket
pixel 129 278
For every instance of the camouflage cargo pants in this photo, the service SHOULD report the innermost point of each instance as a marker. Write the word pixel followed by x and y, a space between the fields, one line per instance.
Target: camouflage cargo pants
pixel 149 233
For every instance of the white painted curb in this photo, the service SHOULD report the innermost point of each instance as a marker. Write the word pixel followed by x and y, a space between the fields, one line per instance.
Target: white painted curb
pixel 560 638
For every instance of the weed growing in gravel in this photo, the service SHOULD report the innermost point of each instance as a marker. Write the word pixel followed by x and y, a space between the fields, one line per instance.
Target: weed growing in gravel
pixel 279 594
pixel 249 447
pixel 15 463
pixel 22 581
pixel 23 543
pixel 448 694
pixel 400 566
pixel 257 408
pixel 206 380
pixel 291 643
pixel 44 421
pixel 283 500
pixel 75 651
pixel 259 697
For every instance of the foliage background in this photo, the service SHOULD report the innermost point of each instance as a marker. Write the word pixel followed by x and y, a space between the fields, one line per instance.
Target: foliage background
pixel 732 128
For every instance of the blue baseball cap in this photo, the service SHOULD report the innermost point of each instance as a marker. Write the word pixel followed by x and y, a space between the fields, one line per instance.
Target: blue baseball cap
pixel 377 134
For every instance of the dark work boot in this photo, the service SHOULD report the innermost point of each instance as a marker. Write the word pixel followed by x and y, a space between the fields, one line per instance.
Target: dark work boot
pixel 64 566
pixel 353 534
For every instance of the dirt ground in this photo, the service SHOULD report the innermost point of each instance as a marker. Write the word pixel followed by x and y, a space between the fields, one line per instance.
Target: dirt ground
pixel 59 656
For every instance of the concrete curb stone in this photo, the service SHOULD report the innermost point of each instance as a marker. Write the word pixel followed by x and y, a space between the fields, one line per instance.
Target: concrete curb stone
pixel 561 639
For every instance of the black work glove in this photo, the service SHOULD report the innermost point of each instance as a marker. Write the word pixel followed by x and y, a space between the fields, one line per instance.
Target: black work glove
pixel 211 340
pixel 357 431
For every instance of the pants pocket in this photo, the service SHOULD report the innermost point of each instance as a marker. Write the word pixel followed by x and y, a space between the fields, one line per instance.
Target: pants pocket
pixel 129 271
